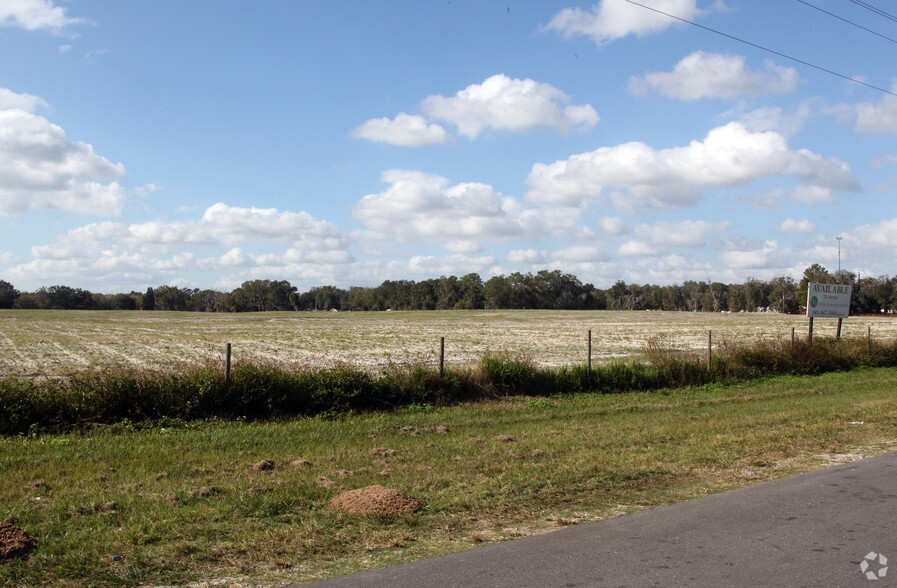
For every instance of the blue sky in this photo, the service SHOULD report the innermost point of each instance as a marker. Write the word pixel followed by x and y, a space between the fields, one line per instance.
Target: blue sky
pixel 203 144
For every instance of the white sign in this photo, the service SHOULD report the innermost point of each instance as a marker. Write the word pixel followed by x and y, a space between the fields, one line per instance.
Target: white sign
pixel 828 300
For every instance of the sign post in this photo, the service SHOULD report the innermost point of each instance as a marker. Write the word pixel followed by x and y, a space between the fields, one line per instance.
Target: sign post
pixel 828 301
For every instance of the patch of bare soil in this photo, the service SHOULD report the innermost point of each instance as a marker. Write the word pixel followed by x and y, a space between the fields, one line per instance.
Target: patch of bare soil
pixel 14 542
pixel 376 500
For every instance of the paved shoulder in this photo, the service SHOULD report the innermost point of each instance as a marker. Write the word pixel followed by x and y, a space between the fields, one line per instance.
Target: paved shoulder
pixel 832 527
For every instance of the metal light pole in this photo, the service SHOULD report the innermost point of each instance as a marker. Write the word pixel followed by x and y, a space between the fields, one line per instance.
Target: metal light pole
pixel 839 256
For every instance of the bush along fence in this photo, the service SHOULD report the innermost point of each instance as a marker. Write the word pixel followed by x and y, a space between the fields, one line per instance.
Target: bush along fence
pixel 84 399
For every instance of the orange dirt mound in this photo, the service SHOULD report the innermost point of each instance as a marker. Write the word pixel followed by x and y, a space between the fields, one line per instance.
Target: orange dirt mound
pixel 376 500
pixel 14 542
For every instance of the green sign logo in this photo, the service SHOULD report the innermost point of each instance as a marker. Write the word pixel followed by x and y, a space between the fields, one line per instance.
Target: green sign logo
pixel 814 301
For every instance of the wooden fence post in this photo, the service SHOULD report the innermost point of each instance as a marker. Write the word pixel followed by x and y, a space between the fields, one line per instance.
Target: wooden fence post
pixel 227 367
pixel 441 357
pixel 709 349
pixel 838 336
pixel 810 334
pixel 792 337
pixel 589 362
pixel 868 338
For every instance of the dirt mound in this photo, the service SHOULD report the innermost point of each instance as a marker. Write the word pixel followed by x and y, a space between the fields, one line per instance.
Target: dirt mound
pixel 376 500
pixel 14 542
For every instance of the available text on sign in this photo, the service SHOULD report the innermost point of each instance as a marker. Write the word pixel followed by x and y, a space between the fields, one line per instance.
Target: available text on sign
pixel 828 300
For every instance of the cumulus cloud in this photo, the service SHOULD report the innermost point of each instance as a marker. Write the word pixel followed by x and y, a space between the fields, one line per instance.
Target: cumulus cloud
pixel 748 256
pixel 220 225
pixel 879 237
pixel 714 75
pixel 33 15
pixel 613 19
pixel 635 176
pixel 801 227
pixel 419 206
pixel 655 239
pixel 157 251
pixel 41 168
pixel 612 225
pixel 509 104
pixel 877 118
pixel 10 100
pixel 526 256
pixel 405 130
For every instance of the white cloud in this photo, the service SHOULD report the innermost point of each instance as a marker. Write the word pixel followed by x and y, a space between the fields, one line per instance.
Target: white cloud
pixel 637 176
pixel 613 19
pixel 457 264
pixel 884 161
pixel 805 194
pixel 146 190
pixel 10 100
pixel 41 168
pixel 772 118
pixel 418 206
pixel 877 118
pixel 744 257
pixel 655 239
pixel 812 195
pixel 8 258
pixel 220 225
pixel 116 255
pixel 526 256
pixel 797 227
pixel 405 130
pixel 714 75
pixel 880 237
pixel 611 225
pixel 33 15
pixel 509 104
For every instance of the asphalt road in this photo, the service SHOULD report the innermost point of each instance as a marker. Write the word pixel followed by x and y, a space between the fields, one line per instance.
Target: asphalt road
pixel 815 529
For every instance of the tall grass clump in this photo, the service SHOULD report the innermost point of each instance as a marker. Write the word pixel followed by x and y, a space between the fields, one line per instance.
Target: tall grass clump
pixel 87 398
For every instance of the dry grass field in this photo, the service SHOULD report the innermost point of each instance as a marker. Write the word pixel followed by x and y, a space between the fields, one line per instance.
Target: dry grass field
pixel 49 342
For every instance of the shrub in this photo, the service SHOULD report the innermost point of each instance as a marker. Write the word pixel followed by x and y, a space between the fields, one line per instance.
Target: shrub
pixel 118 394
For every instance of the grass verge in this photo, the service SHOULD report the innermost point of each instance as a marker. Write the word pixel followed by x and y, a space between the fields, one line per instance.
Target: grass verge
pixel 179 501
pixel 85 398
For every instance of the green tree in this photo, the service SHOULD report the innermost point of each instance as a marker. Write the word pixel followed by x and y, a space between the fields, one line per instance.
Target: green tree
pixel 8 294
pixel 783 295
pixel 68 298
pixel 170 298
pixel 124 302
pixel 470 292
pixel 149 300
pixel 497 293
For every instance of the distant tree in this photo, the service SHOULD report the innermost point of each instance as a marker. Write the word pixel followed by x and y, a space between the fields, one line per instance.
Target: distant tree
pixel 102 301
pixel 470 292
pixel 783 295
pixel 264 295
pixel 68 298
pixel 170 298
pixel 124 302
pixel 149 300
pixel 8 294
pixel 29 301
pixel 497 293
pixel 208 301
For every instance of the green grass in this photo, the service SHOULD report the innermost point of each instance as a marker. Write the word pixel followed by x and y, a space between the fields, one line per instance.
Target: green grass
pixel 105 395
pixel 186 505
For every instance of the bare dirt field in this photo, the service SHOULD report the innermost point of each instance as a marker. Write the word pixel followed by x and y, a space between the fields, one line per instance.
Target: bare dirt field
pixel 51 342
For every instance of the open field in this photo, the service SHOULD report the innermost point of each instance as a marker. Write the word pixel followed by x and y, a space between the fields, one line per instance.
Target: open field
pixel 48 342
pixel 181 502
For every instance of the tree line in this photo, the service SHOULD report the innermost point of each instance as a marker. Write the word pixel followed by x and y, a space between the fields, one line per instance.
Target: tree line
pixel 542 290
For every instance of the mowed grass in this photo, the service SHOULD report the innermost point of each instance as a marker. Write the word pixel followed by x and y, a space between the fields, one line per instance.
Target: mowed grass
pixel 180 502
